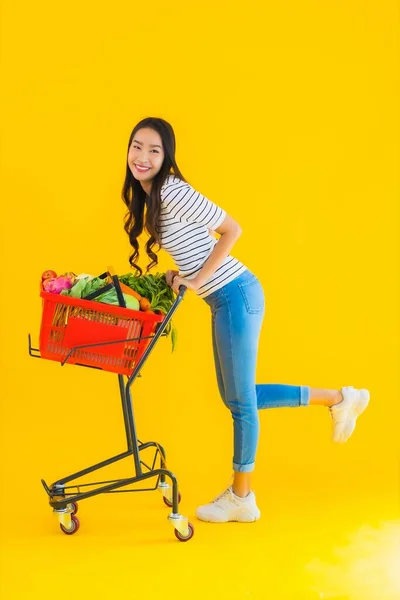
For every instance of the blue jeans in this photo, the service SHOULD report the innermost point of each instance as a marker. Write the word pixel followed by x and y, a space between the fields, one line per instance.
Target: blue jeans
pixel 237 314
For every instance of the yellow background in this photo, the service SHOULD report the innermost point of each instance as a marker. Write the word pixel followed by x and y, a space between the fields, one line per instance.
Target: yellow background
pixel 286 115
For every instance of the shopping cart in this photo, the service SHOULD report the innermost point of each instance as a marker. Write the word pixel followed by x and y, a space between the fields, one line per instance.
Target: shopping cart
pixel 110 338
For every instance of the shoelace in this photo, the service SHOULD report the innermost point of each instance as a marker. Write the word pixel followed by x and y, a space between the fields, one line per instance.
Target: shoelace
pixel 226 491
pixel 222 495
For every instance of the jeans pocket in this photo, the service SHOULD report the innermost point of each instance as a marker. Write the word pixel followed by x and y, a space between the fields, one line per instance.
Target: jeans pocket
pixel 253 295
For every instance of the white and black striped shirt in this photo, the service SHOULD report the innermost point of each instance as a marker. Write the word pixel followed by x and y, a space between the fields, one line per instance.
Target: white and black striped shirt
pixel 185 220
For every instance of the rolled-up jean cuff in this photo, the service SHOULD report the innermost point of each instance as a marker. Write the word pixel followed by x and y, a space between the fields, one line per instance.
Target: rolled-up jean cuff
pixel 304 395
pixel 244 468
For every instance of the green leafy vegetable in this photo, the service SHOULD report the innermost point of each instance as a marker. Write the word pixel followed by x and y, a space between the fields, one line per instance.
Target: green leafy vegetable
pixel 85 286
pixel 157 292
pixel 152 287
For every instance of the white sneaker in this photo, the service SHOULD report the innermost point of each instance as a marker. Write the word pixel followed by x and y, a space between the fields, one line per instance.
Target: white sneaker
pixel 345 413
pixel 229 507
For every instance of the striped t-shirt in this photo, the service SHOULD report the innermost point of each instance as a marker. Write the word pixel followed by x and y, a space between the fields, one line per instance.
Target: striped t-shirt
pixel 185 220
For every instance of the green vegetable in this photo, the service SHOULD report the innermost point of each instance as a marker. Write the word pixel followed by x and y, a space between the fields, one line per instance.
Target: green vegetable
pixel 131 302
pixel 174 335
pixel 85 286
pixel 152 287
pixel 157 292
pixel 111 297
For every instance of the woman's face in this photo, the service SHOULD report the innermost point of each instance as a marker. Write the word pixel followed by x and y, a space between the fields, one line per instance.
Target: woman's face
pixel 145 151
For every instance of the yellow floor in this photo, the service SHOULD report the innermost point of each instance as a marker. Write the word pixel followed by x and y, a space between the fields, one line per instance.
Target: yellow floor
pixel 285 115
pixel 320 536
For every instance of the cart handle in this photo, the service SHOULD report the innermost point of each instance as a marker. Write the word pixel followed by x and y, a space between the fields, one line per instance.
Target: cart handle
pixel 182 290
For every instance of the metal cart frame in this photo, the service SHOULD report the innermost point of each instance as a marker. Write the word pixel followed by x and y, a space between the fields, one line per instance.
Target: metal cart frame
pixel 61 496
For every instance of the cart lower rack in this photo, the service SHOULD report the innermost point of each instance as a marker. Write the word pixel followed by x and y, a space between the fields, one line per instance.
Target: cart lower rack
pixel 116 339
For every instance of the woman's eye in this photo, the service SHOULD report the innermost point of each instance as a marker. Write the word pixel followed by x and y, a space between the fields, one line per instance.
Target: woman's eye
pixel 137 148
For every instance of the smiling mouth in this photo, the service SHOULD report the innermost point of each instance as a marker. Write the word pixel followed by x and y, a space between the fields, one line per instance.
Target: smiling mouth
pixel 142 169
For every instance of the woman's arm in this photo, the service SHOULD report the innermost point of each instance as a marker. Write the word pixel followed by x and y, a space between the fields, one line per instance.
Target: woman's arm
pixel 230 231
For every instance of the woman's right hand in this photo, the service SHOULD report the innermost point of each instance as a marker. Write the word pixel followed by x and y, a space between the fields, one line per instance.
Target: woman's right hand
pixel 169 276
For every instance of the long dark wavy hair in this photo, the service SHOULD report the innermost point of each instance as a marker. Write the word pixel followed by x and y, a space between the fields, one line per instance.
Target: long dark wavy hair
pixel 142 215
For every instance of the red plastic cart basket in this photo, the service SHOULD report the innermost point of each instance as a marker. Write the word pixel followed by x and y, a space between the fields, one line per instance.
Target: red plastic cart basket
pixel 94 334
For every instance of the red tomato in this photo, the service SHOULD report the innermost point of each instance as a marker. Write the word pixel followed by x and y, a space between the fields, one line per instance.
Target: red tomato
pixel 48 275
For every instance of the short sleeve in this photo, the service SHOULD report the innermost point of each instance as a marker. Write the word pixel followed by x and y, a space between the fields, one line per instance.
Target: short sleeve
pixel 185 204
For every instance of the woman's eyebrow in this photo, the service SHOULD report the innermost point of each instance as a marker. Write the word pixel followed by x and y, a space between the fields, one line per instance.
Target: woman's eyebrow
pixel 152 145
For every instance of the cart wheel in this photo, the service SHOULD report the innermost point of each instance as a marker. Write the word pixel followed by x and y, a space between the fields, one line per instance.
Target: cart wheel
pixel 74 526
pixel 74 506
pixel 169 503
pixel 181 538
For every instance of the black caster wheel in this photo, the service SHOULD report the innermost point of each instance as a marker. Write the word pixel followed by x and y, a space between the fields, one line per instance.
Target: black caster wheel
pixel 74 526
pixel 182 538
pixel 169 503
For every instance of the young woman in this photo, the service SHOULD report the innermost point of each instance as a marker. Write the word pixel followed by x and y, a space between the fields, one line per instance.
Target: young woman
pixel 182 221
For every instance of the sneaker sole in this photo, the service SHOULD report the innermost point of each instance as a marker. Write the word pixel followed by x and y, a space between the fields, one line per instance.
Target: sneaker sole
pixel 356 410
pixel 249 518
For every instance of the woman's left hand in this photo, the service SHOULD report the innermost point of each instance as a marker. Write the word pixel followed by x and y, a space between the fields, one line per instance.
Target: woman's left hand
pixel 191 284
